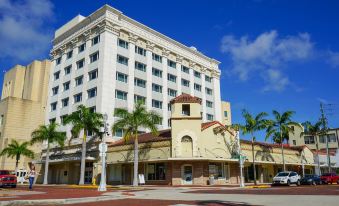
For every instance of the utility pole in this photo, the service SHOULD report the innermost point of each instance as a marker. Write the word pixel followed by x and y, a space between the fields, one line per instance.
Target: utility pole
pixel 241 160
pixel 324 121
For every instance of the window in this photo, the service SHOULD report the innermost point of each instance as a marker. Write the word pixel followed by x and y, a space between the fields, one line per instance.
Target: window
pixel 66 85
pixel 58 61
pixel 120 95
pixel 169 107
pixel 139 82
pixel 140 51
pixel 185 69
pixel 77 98
pixel 322 139
pixel 121 77
pixel 157 58
pixel 140 66
pixel 53 106
pixel 62 118
pixel 225 114
pixel 96 40
pixel 93 109
pixel 57 75
pixel 197 87
pixel 55 90
pixel 185 83
pixel 172 92
pixel 69 54
pixel 157 72
pixel 208 91
pixel 156 104
pixel 94 57
pixel 81 48
pixel 138 98
pixel 171 64
pixel 330 138
pixel 64 102
pixel 79 80
pixel 92 93
pixel 118 133
pixel 122 60
pixel 122 43
pixel 93 74
pixel 2 119
pixel 156 88
pixel 52 120
pixel 156 171
pixel 209 117
pixel 309 139
pixel 208 79
pixel 294 142
pixel 218 170
pixel 80 63
pixel 68 69
pixel 172 78
pixel 197 74
pixel 186 110
pixel 209 104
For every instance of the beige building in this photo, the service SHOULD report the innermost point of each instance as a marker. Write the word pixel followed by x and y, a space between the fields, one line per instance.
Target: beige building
pixel 22 106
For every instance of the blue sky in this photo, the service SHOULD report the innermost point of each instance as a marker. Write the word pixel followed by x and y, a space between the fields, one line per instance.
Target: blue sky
pixel 281 55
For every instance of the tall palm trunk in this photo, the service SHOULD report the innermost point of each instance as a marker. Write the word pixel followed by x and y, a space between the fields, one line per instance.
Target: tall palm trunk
pixel 17 163
pixel 83 159
pixel 317 150
pixel 253 163
pixel 282 150
pixel 136 160
pixel 46 165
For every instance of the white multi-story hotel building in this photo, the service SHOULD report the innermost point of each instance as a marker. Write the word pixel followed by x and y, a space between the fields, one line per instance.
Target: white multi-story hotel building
pixel 108 60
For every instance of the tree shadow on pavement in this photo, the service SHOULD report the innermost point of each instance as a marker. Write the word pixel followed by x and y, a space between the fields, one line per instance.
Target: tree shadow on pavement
pixel 222 203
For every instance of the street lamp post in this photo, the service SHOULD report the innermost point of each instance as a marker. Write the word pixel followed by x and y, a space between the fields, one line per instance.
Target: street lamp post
pixel 241 160
pixel 102 154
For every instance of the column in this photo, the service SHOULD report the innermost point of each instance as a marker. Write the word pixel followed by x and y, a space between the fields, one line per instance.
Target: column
pixel 217 96
pixel 149 78
pixel 203 91
pixel 179 61
pixel 192 65
pixel 131 68
pixel 165 93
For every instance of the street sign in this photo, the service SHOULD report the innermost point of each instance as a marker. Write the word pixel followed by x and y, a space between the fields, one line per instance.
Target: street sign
pixel 102 147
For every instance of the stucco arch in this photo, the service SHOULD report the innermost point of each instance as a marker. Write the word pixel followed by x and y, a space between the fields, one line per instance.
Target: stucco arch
pixel 178 147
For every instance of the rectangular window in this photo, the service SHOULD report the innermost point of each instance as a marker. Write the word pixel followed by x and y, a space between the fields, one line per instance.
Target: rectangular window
pixel 225 114
pixel 79 80
pixel 140 66
pixel 172 78
pixel 139 82
pixel 209 91
pixel 138 98
pixel 208 79
pixel 77 98
pixel 56 75
pixel 156 171
pixel 92 93
pixel 185 83
pixel 171 64
pixel 332 138
pixel 121 77
pixel 122 43
pixel 122 60
pixel 197 74
pixel 52 120
pixel 156 88
pixel 209 104
pixel 157 72
pixel 96 40
pixel 156 104
pixel 80 63
pixel 294 142
pixel 55 90
pixel 68 69
pixel 93 74
pixel 66 85
pixel 62 118
pixel 140 51
pixel 322 139
pixel 185 69
pixel 118 133
pixel 157 58
pixel 197 87
pixel 218 170
pixel 81 48
pixel 309 139
pixel 69 54
pixel 64 102
pixel 54 106
pixel 186 110
pixel 58 61
pixel 209 117
pixel 94 57
pixel 172 92
pixel 120 95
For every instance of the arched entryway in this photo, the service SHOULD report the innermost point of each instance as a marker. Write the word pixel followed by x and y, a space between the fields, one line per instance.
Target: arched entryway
pixel 186 146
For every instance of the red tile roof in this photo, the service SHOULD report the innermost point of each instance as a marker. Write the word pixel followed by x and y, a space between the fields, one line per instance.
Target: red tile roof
pixel 145 138
pixel 186 98
pixel 265 144
pixel 209 124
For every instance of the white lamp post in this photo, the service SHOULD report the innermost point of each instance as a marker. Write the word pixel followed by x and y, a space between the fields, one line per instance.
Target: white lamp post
pixel 241 160
pixel 102 154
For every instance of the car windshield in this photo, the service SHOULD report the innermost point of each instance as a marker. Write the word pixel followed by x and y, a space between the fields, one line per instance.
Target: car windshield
pixel 4 172
pixel 282 174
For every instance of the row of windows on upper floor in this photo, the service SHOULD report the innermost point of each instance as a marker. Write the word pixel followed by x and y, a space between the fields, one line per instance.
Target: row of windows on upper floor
pixel 322 139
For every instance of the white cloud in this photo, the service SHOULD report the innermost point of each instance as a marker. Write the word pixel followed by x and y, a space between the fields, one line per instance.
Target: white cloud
pixel 23 31
pixel 266 56
pixel 333 59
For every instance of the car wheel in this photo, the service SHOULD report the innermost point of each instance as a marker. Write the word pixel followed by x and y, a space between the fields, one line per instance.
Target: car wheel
pixel 298 183
pixel 288 183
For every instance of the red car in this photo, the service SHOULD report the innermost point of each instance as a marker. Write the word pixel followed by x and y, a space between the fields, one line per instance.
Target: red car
pixel 7 179
pixel 329 178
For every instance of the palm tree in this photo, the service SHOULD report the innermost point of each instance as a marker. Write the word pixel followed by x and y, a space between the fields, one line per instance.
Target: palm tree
pixel 49 134
pixel 252 125
pixel 131 123
pixel 84 121
pixel 314 130
pixel 15 149
pixel 281 125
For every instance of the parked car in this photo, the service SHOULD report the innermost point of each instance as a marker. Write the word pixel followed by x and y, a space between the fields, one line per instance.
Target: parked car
pixel 7 179
pixel 286 178
pixel 311 180
pixel 327 178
